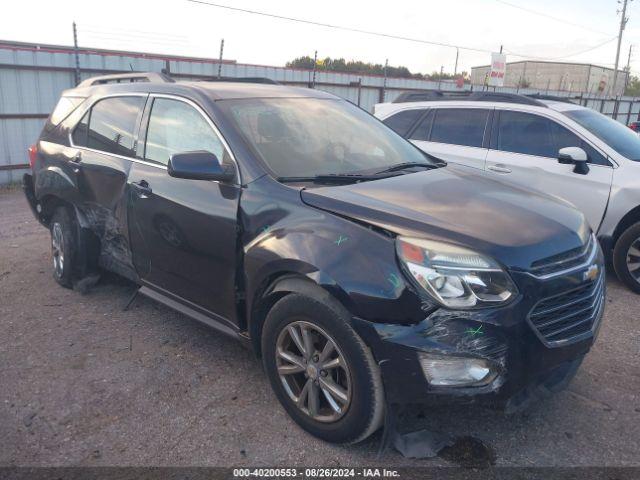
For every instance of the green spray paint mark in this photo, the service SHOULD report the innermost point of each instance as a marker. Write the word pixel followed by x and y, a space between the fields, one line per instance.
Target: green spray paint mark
pixel 341 239
pixel 394 280
pixel 474 331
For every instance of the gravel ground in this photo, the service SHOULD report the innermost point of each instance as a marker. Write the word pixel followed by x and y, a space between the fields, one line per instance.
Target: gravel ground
pixel 83 382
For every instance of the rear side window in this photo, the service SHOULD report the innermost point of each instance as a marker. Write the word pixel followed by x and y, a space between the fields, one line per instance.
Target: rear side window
pixel 112 124
pixel 176 127
pixel 63 108
pixel 459 126
pixel 423 130
pixel 402 122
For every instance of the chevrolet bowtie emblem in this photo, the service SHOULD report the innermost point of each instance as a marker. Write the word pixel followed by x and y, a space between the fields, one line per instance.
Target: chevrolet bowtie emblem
pixel 591 273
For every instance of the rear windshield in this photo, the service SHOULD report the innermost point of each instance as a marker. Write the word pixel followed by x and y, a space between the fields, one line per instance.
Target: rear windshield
pixel 64 107
pixel 619 137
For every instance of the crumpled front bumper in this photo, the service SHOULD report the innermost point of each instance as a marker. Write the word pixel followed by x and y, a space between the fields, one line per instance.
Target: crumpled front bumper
pixel 528 368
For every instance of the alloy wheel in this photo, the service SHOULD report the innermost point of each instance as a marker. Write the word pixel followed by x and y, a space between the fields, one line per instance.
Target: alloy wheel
pixel 57 249
pixel 313 371
pixel 633 259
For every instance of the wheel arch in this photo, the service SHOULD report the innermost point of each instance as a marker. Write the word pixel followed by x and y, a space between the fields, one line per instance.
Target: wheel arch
pixel 281 284
pixel 88 243
pixel 48 205
pixel 631 217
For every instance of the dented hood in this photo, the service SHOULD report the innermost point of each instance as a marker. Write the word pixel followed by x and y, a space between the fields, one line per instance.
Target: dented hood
pixel 459 205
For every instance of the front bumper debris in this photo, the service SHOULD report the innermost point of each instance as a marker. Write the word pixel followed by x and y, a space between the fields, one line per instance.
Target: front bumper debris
pixel 528 367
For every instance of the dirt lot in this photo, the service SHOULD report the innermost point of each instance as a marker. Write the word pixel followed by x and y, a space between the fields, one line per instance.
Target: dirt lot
pixel 84 383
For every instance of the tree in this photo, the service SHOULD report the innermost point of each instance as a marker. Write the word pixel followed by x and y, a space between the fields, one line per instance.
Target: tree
pixel 633 87
pixel 357 66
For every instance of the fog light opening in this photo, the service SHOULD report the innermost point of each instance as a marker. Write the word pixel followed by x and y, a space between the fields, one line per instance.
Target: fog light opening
pixel 449 371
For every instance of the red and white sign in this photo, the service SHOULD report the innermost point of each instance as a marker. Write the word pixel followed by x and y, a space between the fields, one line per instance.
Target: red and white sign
pixel 498 70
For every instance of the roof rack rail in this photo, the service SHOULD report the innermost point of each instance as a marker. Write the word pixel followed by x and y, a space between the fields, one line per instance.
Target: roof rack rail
pixel 437 95
pixel 264 80
pixel 540 96
pixel 127 78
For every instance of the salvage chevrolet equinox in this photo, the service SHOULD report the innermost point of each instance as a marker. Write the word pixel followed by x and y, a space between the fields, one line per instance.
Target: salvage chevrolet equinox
pixel 364 273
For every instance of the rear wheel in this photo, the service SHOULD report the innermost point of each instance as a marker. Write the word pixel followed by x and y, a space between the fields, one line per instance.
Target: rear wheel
pixel 321 371
pixel 626 257
pixel 63 246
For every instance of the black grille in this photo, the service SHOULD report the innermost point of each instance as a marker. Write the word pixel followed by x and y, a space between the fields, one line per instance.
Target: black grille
pixel 569 315
pixel 563 261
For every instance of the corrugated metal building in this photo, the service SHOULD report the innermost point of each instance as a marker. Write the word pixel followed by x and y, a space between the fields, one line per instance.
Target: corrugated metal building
pixel 562 76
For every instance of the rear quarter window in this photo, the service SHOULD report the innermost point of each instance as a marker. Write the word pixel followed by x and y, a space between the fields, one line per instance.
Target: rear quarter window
pixel 402 122
pixel 63 109
pixel 112 123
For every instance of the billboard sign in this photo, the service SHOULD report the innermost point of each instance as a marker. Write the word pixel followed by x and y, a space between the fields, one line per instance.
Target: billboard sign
pixel 498 70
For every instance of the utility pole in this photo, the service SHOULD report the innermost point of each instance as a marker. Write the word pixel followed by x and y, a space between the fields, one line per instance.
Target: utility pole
pixel 455 69
pixel 623 22
pixel 384 83
pixel 220 60
pixel 315 63
pixel 626 80
pixel 77 56
pixel 440 79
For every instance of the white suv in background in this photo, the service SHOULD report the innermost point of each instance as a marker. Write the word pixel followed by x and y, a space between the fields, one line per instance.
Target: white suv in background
pixel 554 146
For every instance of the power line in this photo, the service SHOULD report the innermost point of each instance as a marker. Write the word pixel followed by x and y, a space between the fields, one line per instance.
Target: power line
pixel 384 35
pixel 339 27
pixel 595 47
pixel 551 17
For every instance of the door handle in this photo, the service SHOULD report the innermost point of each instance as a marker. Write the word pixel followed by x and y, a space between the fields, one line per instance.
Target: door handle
pixel 499 168
pixel 142 188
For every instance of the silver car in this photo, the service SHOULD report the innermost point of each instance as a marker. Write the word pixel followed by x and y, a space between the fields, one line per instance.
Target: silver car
pixel 557 147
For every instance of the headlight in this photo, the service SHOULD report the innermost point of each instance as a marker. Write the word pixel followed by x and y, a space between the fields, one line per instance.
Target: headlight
pixel 454 276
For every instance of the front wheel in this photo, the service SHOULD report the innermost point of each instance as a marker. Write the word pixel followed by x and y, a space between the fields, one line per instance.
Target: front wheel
pixel 321 371
pixel 626 257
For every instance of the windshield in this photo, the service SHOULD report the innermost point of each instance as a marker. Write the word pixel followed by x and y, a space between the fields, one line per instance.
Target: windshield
pixel 622 139
pixel 306 137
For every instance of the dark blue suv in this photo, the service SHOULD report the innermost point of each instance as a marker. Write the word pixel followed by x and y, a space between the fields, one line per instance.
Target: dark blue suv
pixel 362 271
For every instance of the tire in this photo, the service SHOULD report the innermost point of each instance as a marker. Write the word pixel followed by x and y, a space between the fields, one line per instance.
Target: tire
pixel 626 254
pixel 63 246
pixel 357 374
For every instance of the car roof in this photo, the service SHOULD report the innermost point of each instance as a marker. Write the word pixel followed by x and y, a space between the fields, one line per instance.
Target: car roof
pixel 214 90
pixel 385 109
pixel 563 106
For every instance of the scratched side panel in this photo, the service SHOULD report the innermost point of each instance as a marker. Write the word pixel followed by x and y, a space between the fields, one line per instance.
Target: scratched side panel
pixel 356 264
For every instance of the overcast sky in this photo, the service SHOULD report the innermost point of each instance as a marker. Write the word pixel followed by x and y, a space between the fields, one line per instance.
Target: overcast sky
pixel 182 28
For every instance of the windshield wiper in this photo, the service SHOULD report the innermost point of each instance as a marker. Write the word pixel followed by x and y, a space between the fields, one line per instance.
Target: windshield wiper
pixel 406 165
pixel 334 178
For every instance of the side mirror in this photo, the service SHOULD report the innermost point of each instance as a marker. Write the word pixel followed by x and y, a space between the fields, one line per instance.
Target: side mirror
pixel 199 165
pixel 576 156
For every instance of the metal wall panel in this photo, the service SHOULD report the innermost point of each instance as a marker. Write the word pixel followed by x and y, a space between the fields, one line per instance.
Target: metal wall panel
pixel 15 137
pixel 32 78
